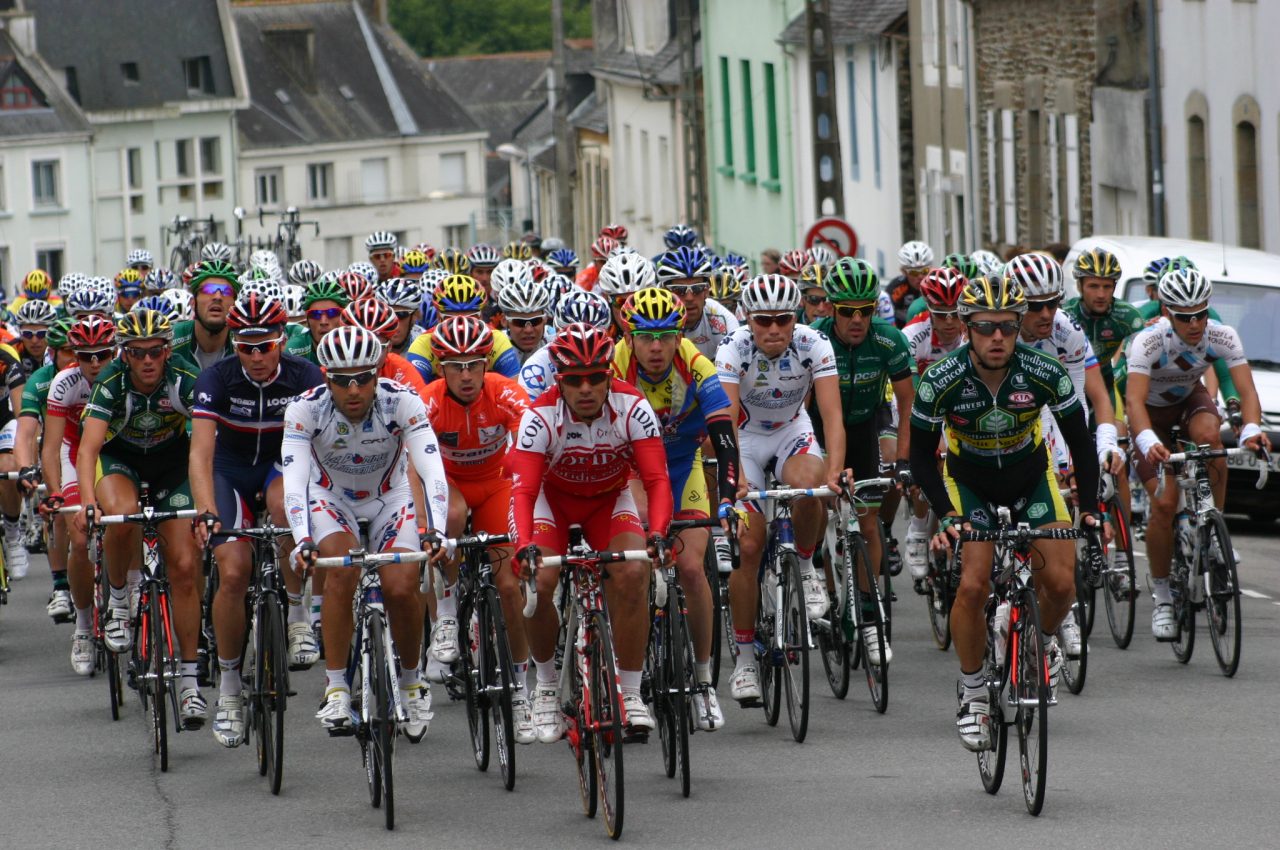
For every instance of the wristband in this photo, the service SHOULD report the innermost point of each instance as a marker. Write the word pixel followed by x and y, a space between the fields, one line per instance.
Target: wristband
pixel 1105 437
pixel 1146 440
pixel 1249 431
pixel 946 522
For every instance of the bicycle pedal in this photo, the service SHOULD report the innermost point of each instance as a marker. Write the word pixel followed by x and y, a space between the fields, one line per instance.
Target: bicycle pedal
pixel 750 702
pixel 635 736
pixel 64 618
pixel 341 731
pixel 893 596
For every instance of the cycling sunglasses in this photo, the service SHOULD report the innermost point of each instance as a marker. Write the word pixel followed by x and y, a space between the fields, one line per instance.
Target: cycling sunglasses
pixel 680 289
pixel 405 314
pixel 1049 304
pixel 347 380
pixel 815 300
pixel 325 313
pixel 98 355
pixel 1185 318
pixel 768 320
pixel 848 311
pixel 266 346
pixel 151 352
pixel 226 290
pixel 577 379
pixel 527 323
pixel 459 366
pixel 1008 328
pixel 40 334
pixel 130 292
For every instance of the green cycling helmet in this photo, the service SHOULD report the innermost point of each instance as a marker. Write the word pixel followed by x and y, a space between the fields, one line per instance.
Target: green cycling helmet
pixel 219 269
pixel 852 279
pixel 325 290
pixel 963 264
pixel 57 335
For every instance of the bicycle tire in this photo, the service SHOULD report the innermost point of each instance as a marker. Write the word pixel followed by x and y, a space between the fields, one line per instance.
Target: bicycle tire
pixel 766 656
pixel 659 695
pixel 886 580
pixel 606 723
pixel 877 675
pixel 938 598
pixel 833 643
pixel 679 659
pixel 178 260
pixel 991 762
pixel 1075 670
pixel 795 654
pixel 1029 681
pixel 1184 610
pixel 580 740
pixel 1119 593
pixel 1086 597
pixel 472 664
pixel 272 674
pixel 382 735
pixel 502 682
pixel 156 680
pixel 711 566
pixel 1222 594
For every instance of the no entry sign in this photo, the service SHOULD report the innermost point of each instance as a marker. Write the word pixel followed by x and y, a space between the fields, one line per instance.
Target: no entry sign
pixel 834 233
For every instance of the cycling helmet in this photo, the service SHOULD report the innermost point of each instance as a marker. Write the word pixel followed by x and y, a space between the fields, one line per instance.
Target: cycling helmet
pixel 1179 262
pixel 962 263
pixel 992 294
pixel 36 283
pixel 563 260
pixel 144 324
pixel 616 232
pixel 253 313
pixel 483 256
pixel 184 302
pixel 942 287
pixel 459 293
pixel 355 285
pixel 1096 263
pixel 207 269
pixel 459 336
pixel 160 304
pixel 57 336
pixel 454 261
pixel 680 235
pixel 517 251
pixel 915 255
pixel 852 279
pixel 1185 287
pixel 159 279
pixel 558 285
pixel 603 247
pixel 90 299
pixel 414 262
pixel 380 240
pixel 427 251
pixel 814 274
pixel 1039 275
pixel 987 262
pixel 216 251
pixel 524 296
pixel 430 316
pixel 36 312
pixel 91 332
pixel 304 271
pixel 139 257
pixel 623 274
pixel 1155 268
pixel 581 347
pixel 374 315
pixel 71 282
pixel 582 307
pixel 793 263
pixel 325 289
pixel 129 279
pixel 508 273
pixel 823 256
pixel 551 243
pixel 401 293
pixel 432 278
pixel 732 259
pixel 683 263
pixel 259 281
pixel 368 271
pixel 264 259
pixel 349 347
pixel 539 270
pixel 770 293
pixel 725 285
pixel 653 309
pixel 294 300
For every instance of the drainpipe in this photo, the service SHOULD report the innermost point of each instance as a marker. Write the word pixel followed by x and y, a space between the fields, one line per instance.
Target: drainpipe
pixel 1156 121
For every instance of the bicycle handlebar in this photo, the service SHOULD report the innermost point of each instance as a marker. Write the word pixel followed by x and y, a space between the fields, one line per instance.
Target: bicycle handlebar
pixel 363 559
pixel 1021 534
pixel 786 493
pixel 145 516
pixel 531 587
pixel 1264 469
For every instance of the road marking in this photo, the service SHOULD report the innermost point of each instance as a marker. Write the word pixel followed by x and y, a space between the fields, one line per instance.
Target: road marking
pixel 1254 594
pixel 1140 555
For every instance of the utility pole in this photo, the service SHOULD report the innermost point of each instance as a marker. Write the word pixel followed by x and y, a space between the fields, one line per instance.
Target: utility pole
pixel 565 153
pixel 828 178
pixel 695 159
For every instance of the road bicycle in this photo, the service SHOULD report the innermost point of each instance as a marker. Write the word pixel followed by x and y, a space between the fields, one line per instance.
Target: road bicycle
pixel 191 235
pixel 1090 571
pixel 1118 582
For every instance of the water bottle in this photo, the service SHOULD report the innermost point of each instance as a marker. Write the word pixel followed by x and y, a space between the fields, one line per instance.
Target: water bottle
pixel 1000 628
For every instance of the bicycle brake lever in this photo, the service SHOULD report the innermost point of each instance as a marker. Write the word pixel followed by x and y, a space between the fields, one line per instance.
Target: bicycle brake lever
pixel 531 596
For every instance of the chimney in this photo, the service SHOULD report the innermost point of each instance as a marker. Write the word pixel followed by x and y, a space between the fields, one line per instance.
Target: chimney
pixel 294 47
pixel 21 26
pixel 375 10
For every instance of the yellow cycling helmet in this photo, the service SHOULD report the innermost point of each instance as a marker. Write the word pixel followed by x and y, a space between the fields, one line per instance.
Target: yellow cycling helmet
pixel 992 294
pixel 36 283
pixel 458 293
pixel 454 261
pixel 129 277
pixel 143 324
pixel 725 284
pixel 517 251
pixel 653 309
pixel 1096 263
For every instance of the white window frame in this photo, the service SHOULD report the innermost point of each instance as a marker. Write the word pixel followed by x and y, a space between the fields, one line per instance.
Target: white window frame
pixel 1009 174
pixel 326 170
pixel 375 197
pixel 275 174
pixel 36 203
pixel 455 187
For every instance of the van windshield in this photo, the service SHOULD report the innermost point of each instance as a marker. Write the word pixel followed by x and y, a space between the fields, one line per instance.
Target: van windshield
pixel 1254 311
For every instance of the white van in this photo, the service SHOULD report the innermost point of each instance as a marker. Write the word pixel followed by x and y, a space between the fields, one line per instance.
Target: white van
pixel 1246 294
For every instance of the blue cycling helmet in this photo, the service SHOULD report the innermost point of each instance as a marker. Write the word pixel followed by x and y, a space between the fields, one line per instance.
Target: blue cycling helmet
pixel 563 259
pixel 681 235
pixel 580 306
pixel 683 263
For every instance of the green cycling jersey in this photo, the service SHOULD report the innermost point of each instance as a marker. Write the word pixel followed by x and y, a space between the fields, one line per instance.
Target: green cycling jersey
pixel 865 368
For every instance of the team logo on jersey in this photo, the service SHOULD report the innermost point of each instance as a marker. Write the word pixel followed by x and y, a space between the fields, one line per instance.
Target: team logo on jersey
pixel 1064 385
pixel 1019 381
pixel 1022 398
pixel 995 421
pixel 147 422
pixel 1037 510
pixel 179 500
pixel 343 428
pixel 979 517
pixel 926 392
pixel 204 398
pixel 339 443
pixel 970 390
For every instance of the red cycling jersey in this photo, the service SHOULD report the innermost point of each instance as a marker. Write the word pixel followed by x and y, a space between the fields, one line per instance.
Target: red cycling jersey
pixel 400 370
pixel 473 437
pixel 586 278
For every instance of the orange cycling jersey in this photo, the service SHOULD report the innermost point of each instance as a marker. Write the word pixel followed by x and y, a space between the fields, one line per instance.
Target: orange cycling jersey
pixel 400 370
pixel 586 278
pixel 473 437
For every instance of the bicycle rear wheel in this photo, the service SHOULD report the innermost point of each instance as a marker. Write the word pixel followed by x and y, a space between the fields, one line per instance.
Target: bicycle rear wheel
pixel 658 675
pixel 606 722
pixel 767 661
pixel 500 685
pixel 577 734
pixel 1086 596
pixel 991 762
pixel 157 685
pixel 272 692
pixel 1074 668
pixel 1030 686
pixel 678 661
pixel 1119 584
pixel 472 665
pixel 1222 594
pixel 1184 610
pixel 795 641
pixel 870 599
pixel 938 598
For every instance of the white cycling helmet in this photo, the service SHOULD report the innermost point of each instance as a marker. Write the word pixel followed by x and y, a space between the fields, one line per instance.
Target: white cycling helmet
pixel 770 293
pixel 216 251
pixel 294 300
pixel 1185 287
pixel 264 259
pixel 36 312
pixel 263 286
pixel 915 255
pixel 524 296
pixel 1039 274
pixel 349 347
pixel 508 273
pixel 139 257
pixel 987 262
pixel 71 283
pixel 183 301
pixel 625 273
pixel 380 240
pixel 822 255
pixel 304 272
pixel 368 271
pixel 582 307
pixel 401 293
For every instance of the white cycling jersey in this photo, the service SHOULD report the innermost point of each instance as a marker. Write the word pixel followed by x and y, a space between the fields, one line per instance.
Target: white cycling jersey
pixel 772 391
pixel 1070 346
pixel 716 324
pixel 323 450
pixel 538 373
pixel 884 307
pixel 1175 367
pixel 925 346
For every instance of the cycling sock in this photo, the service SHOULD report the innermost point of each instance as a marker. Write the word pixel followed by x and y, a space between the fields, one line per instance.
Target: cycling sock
pixel 547 675
pixel 135 579
pixel 702 669
pixel 1160 591
pixel 629 680
pixel 919 524
pixel 297 611
pixel 746 641
pixel 119 596
pixel 11 530
pixel 974 684
pixel 60 580
pixel 187 676
pixel 520 673
pixel 84 619
pixel 335 679
pixel 316 599
pixel 229 686
pixel 409 678
pixel 806 561
pixel 447 604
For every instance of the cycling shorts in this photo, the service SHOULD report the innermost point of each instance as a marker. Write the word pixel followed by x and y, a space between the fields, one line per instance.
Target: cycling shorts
pixel 1029 489
pixel 763 454
pixel 70 481
pixel 1181 413
pixel 8 435
pixel 886 420
pixel 167 474
pixel 688 486
pixel 392 519
pixel 602 519
pixel 235 488
pixel 489 501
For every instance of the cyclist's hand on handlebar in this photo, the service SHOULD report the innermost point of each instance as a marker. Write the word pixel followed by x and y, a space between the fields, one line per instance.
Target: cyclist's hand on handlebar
pixel 1258 443
pixel 28 478
pixel 304 556
pixel 1113 462
pixel 902 474
pixel 1158 454
pixel 528 559
pixel 206 525
pixel 51 504
pixel 1097 521
pixel 659 549
pixel 949 533
pixel 433 539
pixel 839 480
pixel 1234 417
pixel 81 518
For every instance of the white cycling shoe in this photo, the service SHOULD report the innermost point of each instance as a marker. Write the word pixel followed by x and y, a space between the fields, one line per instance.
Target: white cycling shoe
pixel 745 686
pixel 548 721
pixel 444 640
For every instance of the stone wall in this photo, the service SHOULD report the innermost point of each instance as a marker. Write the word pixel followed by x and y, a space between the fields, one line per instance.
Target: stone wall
pixel 906 139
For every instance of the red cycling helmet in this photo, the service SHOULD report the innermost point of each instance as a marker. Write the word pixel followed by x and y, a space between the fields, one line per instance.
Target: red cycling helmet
pixel 374 315
pixel 459 336
pixel 355 285
pixel 616 232
pixel 253 312
pixel 91 332
pixel 603 246
pixel 942 287
pixel 793 263
pixel 581 347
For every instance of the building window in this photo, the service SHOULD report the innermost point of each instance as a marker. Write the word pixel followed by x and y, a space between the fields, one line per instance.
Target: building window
pixel 4 266
pixel 199 73
pixel 267 182
pixel 373 180
pixel 853 117
pixel 453 172
pixel 133 160
pixel 337 252
pixel 748 122
pixel 211 155
pixel 18 92
pixel 456 235
pixel 771 123
pixel 44 183
pixel 129 70
pixel 1247 185
pixel 50 259
pixel 182 154
pixel 1197 178
pixel 319 179
pixel 73 83
pixel 4 199
pixel 726 111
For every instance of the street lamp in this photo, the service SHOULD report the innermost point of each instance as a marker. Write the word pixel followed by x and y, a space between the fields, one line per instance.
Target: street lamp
pixel 515 153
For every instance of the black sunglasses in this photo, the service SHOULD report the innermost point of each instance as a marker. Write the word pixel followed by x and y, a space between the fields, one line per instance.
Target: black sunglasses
pixel 849 312
pixel 352 379
pixel 815 300
pixel 1188 318
pixel 97 356
pixel 1037 306
pixel 767 320
pixel 150 353
pixel 527 323
pixel 1007 328
pixel 577 379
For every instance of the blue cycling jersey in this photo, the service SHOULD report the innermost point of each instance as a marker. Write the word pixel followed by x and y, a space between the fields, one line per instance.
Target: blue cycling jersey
pixel 250 416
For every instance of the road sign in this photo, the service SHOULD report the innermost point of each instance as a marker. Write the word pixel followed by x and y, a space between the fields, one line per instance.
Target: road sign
pixel 834 233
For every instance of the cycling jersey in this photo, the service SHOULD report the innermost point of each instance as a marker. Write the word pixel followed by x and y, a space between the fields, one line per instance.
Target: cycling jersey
pixel 473 437
pixel 12 377
pixel 1150 312
pixel 1173 365
pixel 1068 344
pixel 29 364
pixel 682 398
pixel 901 295
pixel 35 393
pixel 300 345
pixel 185 345
pixel 139 423
pixel 772 390
pixel 994 430
pixel 918 306
pixel 538 373
pixel 1107 333
pixel 926 349
pixel 586 279
pixel 249 415
pixel 68 395
pixel 322 450
pixel 882 354
pixel 716 324
pixel 400 370
pixel 503 359
pixel 884 307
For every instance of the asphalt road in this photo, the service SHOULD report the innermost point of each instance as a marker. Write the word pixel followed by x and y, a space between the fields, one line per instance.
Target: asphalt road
pixel 1152 754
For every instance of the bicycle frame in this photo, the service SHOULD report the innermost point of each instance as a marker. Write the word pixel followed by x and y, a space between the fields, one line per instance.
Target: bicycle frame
pixel 781 538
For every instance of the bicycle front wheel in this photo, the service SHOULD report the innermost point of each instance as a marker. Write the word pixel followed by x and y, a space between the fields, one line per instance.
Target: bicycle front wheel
pixel 875 638
pixel 577 733
pixel 1184 610
pixel 1119 584
pixel 471 664
pixel 991 762
pixel 768 663
pixel 157 684
pixel 382 733
pixel 605 722
pixel 1221 593
pixel 272 691
pixel 678 663
pixel 1075 667
pixel 500 686
pixel 938 598
pixel 1029 684
pixel 795 642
